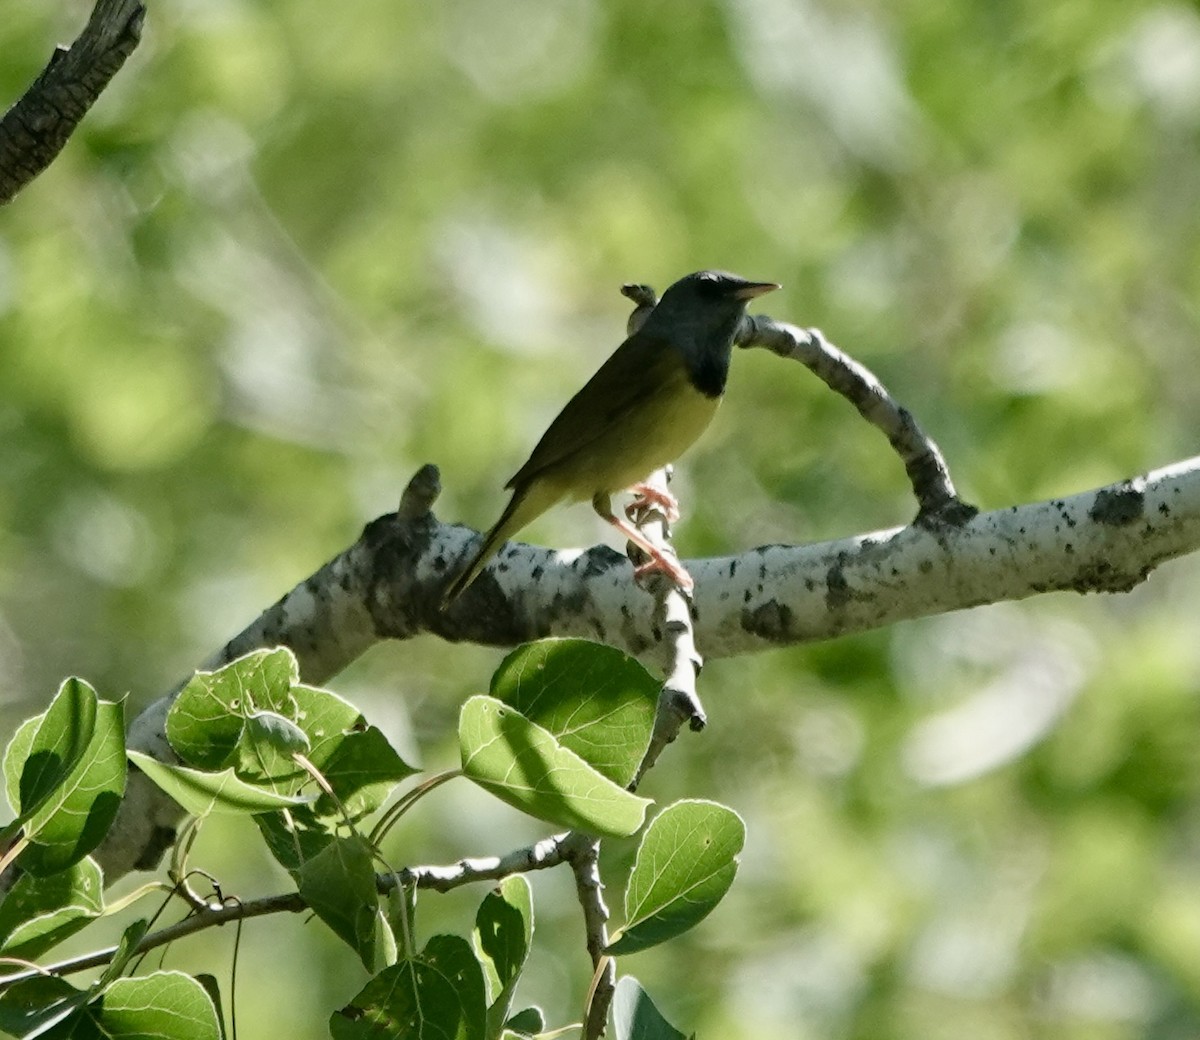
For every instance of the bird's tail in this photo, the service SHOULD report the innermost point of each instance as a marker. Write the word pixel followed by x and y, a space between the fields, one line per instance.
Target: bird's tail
pixel 525 505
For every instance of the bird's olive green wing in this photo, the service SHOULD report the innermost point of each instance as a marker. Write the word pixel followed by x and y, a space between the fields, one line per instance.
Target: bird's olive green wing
pixel 639 368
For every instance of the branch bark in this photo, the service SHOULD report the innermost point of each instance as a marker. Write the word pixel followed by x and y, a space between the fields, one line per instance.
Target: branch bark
pixel 388 586
pixel 36 128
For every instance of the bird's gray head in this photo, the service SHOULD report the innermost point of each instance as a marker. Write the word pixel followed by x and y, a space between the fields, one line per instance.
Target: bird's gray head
pixel 699 315
pixel 707 300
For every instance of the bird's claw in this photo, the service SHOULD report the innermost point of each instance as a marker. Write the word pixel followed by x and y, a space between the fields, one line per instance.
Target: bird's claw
pixel 666 566
pixel 648 495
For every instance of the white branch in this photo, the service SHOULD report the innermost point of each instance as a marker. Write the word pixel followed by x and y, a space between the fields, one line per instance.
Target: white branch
pixel 388 585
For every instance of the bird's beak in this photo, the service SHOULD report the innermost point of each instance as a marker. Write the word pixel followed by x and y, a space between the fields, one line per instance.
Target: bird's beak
pixel 753 289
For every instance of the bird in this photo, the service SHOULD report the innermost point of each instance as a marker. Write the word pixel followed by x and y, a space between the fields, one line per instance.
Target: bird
pixel 642 409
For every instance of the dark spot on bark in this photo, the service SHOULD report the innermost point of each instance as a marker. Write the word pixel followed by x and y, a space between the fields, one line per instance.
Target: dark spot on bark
pixel 600 559
pixel 837 589
pixel 925 566
pixel 1103 577
pixel 771 621
pixel 1119 507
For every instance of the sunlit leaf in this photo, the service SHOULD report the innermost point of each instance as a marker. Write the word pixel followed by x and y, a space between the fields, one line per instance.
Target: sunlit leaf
pixel 201 793
pixel 522 764
pixel 363 770
pixel 75 816
pixel 39 913
pixel 159 1005
pixel 206 719
pixel 597 701
pixel 685 864
pixel 46 748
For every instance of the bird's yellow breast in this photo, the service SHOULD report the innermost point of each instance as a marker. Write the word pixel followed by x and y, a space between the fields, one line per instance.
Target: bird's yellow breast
pixel 657 430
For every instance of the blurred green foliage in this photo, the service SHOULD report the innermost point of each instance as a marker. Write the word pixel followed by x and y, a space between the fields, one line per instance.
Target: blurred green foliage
pixel 298 249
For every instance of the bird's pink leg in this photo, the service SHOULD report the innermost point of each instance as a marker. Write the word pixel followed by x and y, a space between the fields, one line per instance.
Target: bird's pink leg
pixel 649 495
pixel 661 561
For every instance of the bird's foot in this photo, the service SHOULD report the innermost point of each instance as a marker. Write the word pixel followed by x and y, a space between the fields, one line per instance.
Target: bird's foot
pixel 662 559
pixel 649 495
pixel 660 563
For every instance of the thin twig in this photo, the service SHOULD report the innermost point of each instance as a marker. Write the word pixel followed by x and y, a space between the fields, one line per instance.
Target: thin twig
pixel 584 857
pixel 549 852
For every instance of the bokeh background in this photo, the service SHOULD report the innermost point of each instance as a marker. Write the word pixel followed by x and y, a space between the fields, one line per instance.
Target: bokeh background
pixel 300 248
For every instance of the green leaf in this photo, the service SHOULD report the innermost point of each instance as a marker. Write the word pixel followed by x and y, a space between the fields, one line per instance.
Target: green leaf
pixel 636 1018
pixel 150 1007
pixel 265 755
pixel 521 763
pixel 73 818
pixel 15 756
pixel 386 950
pixel 503 932
pixel 164 1004
pixel 39 913
pixel 685 864
pixel 201 793
pixel 45 749
pixel 325 717
pixel 134 933
pixel 339 884
pixel 41 1007
pixel 596 701
pixel 528 1022
pixel 363 769
pixel 281 734
pixel 253 715
pixel 401 908
pixel 206 719
pixel 213 988
pixel 437 995
pixel 296 836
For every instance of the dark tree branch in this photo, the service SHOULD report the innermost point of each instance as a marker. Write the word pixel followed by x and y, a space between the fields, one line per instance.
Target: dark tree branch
pixel 36 128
